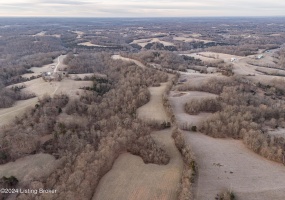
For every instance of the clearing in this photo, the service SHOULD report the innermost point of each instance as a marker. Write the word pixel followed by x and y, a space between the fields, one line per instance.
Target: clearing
pixel 138 63
pixel 79 34
pixel 197 79
pixel 154 109
pixel 43 33
pixel 213 56
pixel 30 167
pixel 144 42
pixel 131 179
pixel 179 99
pixel 7 115
pixel 187 39
pixel 57 64
pixel 37 86
pixel 229 164
pixel 86 75
pixel 89 44
pixel 279 132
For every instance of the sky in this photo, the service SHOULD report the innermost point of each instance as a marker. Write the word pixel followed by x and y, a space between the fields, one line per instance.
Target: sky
pixel 141 8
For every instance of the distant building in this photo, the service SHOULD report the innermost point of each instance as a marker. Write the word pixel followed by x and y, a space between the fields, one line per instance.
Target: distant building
pixel 54 76
pixel 48 76
pixel 260 56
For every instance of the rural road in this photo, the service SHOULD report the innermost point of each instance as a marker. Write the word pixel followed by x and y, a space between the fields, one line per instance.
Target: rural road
pixel 58 63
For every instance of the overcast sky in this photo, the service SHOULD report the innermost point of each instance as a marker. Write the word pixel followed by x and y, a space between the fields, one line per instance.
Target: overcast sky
pixel 141 8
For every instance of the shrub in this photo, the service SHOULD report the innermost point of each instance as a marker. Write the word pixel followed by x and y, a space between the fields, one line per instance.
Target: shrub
pixel 225 195
pixel 213 85
pixel 149 151
pixel 189 167
pixel 194 128
pixel 195 106
pixel 11 181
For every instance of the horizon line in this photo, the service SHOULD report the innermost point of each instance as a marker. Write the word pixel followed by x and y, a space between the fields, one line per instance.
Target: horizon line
pixel 235 16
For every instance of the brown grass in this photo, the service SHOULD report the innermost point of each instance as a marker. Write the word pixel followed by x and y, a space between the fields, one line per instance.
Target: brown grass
pixel 132 179
pixel 225 195
pixel 184 120
pixel 144 42
pixel 227 163
pixel 40 87
pixel 7 115
pixel 154 110
pixel 30 167
pixel 138 63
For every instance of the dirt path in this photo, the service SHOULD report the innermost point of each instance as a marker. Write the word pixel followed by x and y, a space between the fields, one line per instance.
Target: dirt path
pixel 131 179
pixel 58 63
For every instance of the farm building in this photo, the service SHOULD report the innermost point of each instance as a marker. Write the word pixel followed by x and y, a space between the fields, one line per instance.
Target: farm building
pixel 54 76
pixel 260 56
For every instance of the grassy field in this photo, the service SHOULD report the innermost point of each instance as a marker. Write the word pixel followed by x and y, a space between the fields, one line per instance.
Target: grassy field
pixel 187 39
pixel 30 167
pixel 8 114
pixel 178 101
pixel 79 34
pixel 132 179
pixel 144 42
pixel 138 63
pixel 154 109
pixel 89 44
pixel 229 164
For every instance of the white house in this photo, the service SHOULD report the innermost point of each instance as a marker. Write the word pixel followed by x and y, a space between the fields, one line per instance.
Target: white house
pixel 260 56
